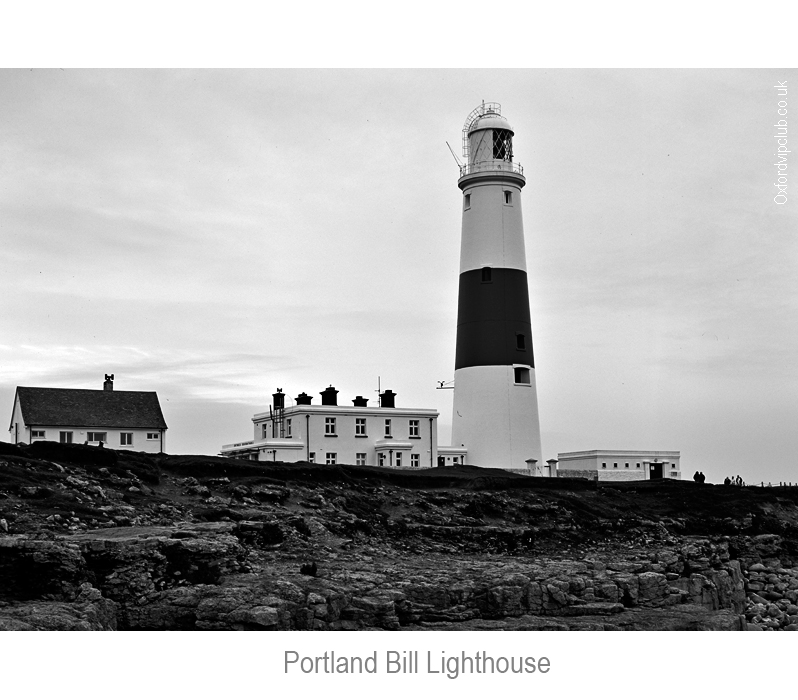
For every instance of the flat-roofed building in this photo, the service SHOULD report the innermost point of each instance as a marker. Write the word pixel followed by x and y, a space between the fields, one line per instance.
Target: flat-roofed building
pixel 620 465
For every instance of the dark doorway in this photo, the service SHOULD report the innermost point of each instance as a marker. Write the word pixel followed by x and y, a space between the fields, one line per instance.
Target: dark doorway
pixel 655 470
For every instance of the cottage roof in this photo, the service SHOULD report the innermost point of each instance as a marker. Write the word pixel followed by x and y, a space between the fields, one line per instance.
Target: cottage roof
pixel 90 408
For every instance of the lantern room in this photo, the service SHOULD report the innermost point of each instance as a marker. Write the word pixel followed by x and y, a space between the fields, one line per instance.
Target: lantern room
pixel 487 135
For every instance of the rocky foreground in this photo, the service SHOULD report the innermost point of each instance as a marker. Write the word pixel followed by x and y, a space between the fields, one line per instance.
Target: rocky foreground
pixel 92 539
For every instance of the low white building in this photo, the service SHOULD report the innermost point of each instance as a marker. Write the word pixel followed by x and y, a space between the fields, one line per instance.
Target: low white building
pixel 449 454
pixel 620 465
pixel 384 435
pixel 125 420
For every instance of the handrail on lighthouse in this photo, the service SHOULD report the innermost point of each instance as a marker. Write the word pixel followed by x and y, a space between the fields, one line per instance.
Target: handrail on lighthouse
pixel 481 111
pixel 482 166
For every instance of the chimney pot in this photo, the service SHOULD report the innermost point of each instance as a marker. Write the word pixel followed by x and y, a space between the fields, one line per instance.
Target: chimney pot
pixel 303 399
pixel 329 397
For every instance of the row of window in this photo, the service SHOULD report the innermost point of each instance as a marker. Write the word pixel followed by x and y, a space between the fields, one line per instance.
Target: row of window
pixel 331 427
pixel 382 459
pixel 66 436
pixel 626 466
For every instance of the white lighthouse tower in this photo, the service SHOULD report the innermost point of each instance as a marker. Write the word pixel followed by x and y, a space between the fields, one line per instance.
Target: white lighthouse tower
pixel 495 400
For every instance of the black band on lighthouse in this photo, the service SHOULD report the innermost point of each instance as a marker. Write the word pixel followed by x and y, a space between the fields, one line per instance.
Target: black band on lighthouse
pixel 493 324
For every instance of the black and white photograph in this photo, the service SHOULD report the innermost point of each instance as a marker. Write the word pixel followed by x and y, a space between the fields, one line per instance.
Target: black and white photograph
pixel 448 350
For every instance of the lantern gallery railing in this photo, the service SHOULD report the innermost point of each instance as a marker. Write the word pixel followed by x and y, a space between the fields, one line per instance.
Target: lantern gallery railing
pixel 484 165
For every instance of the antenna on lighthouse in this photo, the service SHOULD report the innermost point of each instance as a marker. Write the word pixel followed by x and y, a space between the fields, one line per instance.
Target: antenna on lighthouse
pixel 456 159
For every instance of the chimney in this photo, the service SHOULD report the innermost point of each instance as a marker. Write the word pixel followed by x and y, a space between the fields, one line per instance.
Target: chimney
pixel 387 399
pixel 303 399
pixel 329 397
pixel 279 400
pixel 108 384
pixel 360 401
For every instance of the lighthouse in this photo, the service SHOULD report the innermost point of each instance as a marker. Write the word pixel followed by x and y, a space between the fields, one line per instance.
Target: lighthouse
pixel 495 417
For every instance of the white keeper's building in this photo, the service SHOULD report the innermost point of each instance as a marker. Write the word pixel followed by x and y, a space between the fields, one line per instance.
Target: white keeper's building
pixel 383 435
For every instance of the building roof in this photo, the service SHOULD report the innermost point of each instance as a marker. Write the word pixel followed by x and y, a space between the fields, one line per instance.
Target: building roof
pixel 90 408
pixel 365 411
pixel 617 453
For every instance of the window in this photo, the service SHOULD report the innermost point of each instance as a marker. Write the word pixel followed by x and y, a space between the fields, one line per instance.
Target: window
pixel 414 429
pixel 381 459
pixel 125 438
pixel 332 458
pixel 487 274
pixel 502 144
pixel 360 459
pixel 522 375
pixel 674 473
pixel 455 460
pixel 265 430
pixel 37 435
pixel 615 465
pixel 329 426
pixel 627 465
pixel 520 341
pixel 638 465
pixel 288 428
pixel 360 427
pixel 508 197
pixel 415 461
pixel 603 465
pixel 96 437
pixel 387 427
pixel 312 458
pixel 467 201
pixel 65 436
pixel 398 459
pixel 152 436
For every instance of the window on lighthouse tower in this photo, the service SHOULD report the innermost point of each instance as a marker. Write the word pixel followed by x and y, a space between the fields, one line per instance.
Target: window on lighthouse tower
pixel 502 144
pixel 522 375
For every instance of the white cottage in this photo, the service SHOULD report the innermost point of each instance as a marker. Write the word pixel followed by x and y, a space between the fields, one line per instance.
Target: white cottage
pixel 126 420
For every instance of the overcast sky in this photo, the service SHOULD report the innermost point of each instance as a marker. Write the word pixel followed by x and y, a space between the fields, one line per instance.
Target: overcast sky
pixel 213 235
